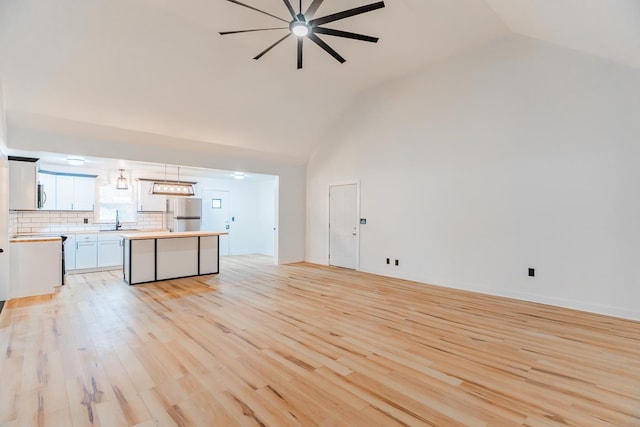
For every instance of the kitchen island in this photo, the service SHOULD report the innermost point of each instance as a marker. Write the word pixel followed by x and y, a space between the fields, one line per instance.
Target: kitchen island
pixel 154 256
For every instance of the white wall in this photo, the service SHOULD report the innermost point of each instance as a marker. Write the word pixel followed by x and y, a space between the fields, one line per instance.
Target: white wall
pixel 517 154
pixel 41 133
pixel 4 205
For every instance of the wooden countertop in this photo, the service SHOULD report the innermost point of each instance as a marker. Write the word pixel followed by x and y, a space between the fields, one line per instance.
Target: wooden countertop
pixel 75 232
pixel 35 239
pixel 169 235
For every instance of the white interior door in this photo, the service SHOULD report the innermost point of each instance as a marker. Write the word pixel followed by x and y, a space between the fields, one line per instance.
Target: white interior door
pixel 343 226
pixel 4 207
pixel 216 216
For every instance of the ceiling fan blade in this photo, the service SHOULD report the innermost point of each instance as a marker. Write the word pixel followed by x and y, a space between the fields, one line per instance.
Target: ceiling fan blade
pixel 291 11
pixel 300 52
pixel 346 13
pixel 258 10
pixel 309 14
pixel 345 34
pixel 326 47
pixel 224 33
pixel 261 54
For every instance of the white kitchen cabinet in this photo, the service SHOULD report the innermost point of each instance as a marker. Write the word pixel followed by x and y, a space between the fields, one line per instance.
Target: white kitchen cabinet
pixel 86 251
pixel 22 181
pixel 109 250
pixel 28 279
pixel 64 192
pixel 84 193
pixel 70 253
pixel 73 193
pixel 150 202
pixel 48 182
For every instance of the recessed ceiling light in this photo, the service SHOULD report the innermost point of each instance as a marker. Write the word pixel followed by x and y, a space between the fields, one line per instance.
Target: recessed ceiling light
pixel 239 175
pixel 75 161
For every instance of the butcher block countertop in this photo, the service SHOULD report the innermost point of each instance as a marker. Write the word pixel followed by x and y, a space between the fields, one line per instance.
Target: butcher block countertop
pixel 169 235
pixel 35 239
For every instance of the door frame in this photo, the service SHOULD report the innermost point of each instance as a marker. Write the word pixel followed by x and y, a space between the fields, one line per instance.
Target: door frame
pixel 5 265
pixel 337 184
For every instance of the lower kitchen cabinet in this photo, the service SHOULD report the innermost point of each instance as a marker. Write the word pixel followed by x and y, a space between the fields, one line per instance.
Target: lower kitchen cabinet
pixel 109 250
pixel 36 267
pixel 91 251
pixel 86 251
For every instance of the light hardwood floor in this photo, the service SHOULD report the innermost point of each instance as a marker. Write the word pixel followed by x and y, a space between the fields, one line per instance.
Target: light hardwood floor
pixel 304 345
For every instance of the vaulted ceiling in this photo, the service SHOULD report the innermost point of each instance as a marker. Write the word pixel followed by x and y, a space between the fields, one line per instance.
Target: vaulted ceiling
pixel 160 66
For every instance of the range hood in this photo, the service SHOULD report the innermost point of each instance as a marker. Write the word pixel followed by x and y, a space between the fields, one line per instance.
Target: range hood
pixel 171 188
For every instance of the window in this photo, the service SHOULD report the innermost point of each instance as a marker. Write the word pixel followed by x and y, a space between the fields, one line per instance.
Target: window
pixel 111 200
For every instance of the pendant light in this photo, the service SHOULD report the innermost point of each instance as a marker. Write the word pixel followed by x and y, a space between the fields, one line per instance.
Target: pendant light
pixel 122 183
pixel 172 188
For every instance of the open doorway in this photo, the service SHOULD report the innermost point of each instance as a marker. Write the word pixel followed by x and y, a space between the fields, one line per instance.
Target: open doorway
pixel 246 209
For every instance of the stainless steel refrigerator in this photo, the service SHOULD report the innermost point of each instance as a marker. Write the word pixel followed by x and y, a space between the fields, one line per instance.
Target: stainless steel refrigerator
pixel 184 214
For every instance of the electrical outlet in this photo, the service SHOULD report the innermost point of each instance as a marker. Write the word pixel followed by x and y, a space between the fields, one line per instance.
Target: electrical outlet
pixel 86 220
pixel 388 261
pixel 532 272
pixel 397 263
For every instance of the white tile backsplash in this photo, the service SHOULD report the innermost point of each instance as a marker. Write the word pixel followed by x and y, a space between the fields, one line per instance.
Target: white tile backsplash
pixel 26 222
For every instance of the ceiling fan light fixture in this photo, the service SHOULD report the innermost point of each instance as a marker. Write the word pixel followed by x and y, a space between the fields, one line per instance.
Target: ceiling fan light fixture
pixel 307 25
pixel 299 29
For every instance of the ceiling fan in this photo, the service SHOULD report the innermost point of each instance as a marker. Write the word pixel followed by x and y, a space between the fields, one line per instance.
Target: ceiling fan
pixel 304 25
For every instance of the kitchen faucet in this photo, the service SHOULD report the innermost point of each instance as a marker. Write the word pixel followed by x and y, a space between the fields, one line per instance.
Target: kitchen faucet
pixel 118 225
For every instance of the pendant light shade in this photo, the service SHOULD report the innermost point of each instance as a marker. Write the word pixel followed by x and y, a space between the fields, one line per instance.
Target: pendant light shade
pixel 122 183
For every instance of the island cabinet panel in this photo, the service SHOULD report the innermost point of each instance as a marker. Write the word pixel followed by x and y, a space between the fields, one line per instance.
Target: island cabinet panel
pixel 209 255
pixel 140 261
pixel 177 258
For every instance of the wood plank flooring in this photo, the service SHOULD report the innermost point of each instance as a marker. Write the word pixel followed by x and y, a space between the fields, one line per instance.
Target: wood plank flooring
pixel 303 345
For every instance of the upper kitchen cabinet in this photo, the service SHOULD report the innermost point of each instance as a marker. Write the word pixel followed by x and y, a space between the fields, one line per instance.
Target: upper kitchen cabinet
pixel 84 192
pixel 22 183
pixel 148 202
pixel 69 192
pixel 64 192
